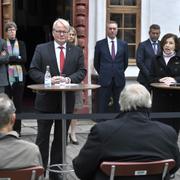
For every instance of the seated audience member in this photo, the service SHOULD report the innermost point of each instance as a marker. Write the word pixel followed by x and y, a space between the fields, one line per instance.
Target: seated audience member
pixel 14 152
pixel 131 136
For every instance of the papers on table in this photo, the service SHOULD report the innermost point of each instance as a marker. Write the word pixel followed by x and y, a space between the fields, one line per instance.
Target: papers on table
pixel 63 84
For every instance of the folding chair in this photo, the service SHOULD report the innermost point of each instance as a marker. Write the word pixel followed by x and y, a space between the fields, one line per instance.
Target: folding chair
pixel 161 167
pixel 30 173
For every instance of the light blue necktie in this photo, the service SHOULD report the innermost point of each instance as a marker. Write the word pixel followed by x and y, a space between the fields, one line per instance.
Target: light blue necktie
pixel 154 44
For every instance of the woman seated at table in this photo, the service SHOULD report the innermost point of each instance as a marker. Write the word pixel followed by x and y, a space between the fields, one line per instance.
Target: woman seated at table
pixel 166 69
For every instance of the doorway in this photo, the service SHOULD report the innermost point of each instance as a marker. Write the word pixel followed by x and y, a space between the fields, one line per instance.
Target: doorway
pixel 34 20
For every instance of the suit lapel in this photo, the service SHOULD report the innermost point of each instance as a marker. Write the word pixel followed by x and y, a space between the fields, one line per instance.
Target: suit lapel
pixel 53 59
pixel 149 46
pixel 120 47
pixel 106 49
pixel 0 44
pixel 68 54
pixel 164 66
pixel 159 48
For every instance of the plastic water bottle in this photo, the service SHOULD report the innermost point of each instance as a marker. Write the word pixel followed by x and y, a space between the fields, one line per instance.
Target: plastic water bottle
pixel 47 77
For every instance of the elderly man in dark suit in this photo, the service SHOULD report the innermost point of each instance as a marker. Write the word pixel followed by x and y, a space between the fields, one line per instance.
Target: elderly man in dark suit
pixel 73 59
pixel 131 136
pixel 110 62
pixel 145 54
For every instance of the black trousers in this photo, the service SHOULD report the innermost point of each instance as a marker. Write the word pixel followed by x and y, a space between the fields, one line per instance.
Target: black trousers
pixel 165 100
pixel 53 150
pixel 105 93
pixel 43 139
pixel 16 92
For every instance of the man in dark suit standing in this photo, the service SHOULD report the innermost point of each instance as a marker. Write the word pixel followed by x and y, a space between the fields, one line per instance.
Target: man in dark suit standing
pixel 49 102
pixel 110 62
pixel 145 54
pixel 131 136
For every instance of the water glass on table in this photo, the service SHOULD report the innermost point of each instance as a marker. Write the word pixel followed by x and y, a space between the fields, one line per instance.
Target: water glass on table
pixel 62 80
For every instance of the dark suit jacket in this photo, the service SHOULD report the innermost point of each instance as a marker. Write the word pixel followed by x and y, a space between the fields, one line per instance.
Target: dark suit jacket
pixel 73 68
pixel 3 64
pixel 144 56
pixel 130 137
pixel 165 100
pixel 108 68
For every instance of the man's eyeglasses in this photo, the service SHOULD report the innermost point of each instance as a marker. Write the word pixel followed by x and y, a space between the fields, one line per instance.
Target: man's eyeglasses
pixel 60 32
pixel 11 30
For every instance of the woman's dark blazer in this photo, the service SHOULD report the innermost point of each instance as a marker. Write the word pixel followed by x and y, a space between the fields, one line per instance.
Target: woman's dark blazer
pixel 165 100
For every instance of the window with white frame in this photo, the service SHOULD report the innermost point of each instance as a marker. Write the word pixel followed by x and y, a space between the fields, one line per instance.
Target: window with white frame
pixel 127 14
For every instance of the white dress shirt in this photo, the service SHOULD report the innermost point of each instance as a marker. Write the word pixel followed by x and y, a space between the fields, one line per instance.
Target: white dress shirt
pixel 110 44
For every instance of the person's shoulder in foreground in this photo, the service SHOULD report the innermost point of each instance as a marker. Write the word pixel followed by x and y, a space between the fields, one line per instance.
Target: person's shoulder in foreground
pixel 14 152
pixel 131 136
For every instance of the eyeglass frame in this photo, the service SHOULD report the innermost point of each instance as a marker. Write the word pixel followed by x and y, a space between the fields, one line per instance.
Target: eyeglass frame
pixel 11 29
pixel 60 32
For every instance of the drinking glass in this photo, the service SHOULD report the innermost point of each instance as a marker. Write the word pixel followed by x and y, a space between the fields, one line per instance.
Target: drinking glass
pixel 63 82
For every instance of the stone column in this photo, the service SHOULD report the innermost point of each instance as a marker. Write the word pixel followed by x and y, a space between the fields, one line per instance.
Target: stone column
pixel 80 22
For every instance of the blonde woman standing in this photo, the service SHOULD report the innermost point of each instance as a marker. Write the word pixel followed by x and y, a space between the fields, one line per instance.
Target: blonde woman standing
pixel 72 37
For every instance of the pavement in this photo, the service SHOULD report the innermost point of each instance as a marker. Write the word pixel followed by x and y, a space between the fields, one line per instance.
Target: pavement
pixel 29 127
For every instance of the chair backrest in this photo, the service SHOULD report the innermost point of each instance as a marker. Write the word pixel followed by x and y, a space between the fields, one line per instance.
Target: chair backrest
pixel 137 168
pixel 30 173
